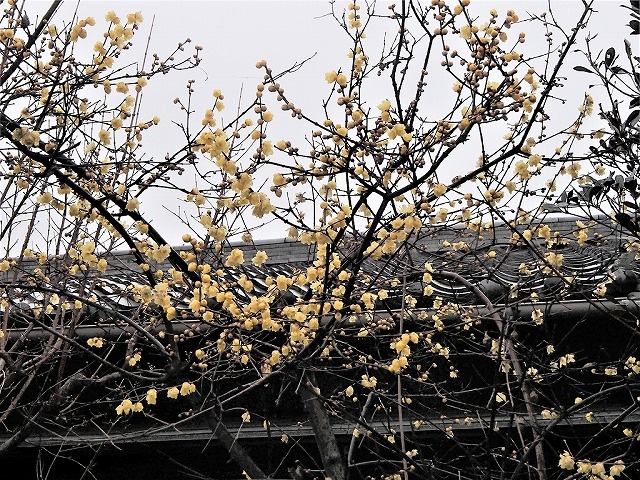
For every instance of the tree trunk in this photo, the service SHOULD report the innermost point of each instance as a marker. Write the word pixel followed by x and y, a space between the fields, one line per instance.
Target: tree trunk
pixel 325 438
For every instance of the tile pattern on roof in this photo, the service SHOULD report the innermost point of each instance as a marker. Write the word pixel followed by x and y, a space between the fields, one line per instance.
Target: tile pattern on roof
pixel 490 261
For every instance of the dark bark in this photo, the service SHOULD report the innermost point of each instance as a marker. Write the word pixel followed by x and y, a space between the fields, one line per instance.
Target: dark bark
pixel 325 439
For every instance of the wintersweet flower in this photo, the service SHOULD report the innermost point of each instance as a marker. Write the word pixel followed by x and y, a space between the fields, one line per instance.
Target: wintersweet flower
pixel 44 198
pixel 537 317
pixel 26 137
pixel 209 119
pixel 331 76
pixel 116 123
pixel 573 170
pixel 134 18
pixel 132 204
pixel 522 169
pixel 584 467
pixel 259 258
pixel 244 182
pixel 235 258
pixel 95 342
pixel 122 87
pixel 105 137
pixel 566 461
pixel 102 265
pixel 534 160
pixel 465 31
pixel 554 259
pixel 112 17
pixel 267 148
pixel 134 359
pixel 439 189
pixel 152 396
pixel 261 204
pixel 125 407
pixel 616 469
pixel 173 392
pixel 274 358
pixel 548 414
pixel 187 388
pixel 597 470
pixel 368 382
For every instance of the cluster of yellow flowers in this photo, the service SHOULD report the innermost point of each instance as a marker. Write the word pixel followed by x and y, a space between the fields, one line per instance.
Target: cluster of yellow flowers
pixel 589 468
pixel 633 364
pixel 26 137
pixel 354 17
pixel 401 346
pixel 185 389
pixel 215 143
pixel 95 342
pixel 127 406
pixel 235 258
pixel 335 77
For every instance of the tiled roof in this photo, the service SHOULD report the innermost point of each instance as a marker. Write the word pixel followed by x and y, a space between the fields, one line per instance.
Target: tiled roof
pixel 491 260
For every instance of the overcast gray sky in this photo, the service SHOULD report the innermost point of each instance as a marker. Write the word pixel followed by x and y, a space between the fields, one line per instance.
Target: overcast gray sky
pixel 235 34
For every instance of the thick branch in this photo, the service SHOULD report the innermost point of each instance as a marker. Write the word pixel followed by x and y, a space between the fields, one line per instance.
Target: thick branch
pixel 325 438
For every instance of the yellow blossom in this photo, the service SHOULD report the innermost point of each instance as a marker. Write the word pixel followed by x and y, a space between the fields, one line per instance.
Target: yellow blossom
pixel 534 160
pixel 439 189
pixel 616 469
pixel 134 359
pixel 26 137
pixel 235 258
pixel 44 198
pixel 573 170
pixel 152 395
pixel 134 18
pixel 242 183
pixel 187 388
pixel 132 204
pixel 173 392
pixel 116 124
pixel 95 342
pixel 122 87
pixel 125 407
pixel 105 137
pixel 522 169
pixel 537 316
pixel 384 106
pixel 566 461
pixel 112 17
pixel 465 31
pixel 331 76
